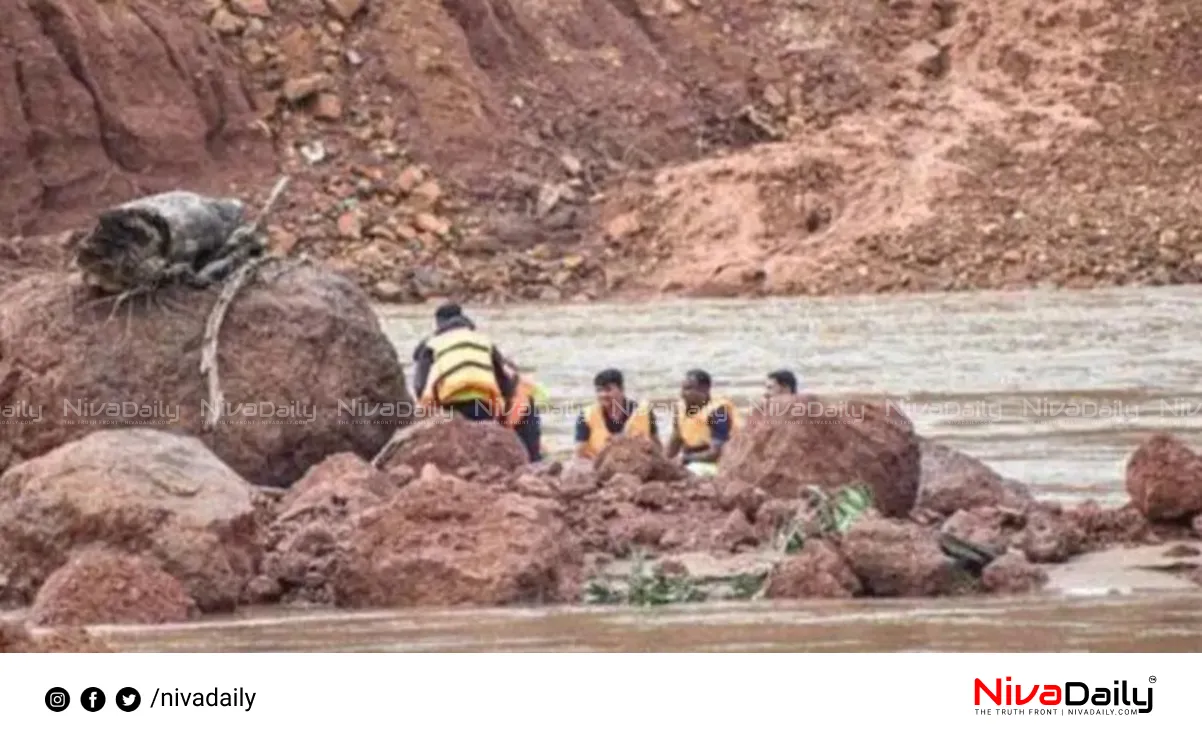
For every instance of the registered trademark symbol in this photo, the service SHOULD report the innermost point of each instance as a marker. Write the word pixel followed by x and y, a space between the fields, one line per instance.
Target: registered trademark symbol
pixel 1151 679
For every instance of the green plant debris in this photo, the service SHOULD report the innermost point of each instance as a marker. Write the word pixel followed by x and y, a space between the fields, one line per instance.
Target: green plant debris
pixel 824 514
pixel 645 587
pixel 747 585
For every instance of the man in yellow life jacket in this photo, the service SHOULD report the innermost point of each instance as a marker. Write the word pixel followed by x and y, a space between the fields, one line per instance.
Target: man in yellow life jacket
pixel 460 370
pixel 522 415
pixel 702 426
pixel 613 414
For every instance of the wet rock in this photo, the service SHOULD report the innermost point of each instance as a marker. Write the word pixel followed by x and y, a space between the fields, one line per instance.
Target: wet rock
pixel 1041 534
pixel 103 587
pixel 447 542
pixel 893 558
pixel 1012 573
pixel 742 496
pixel 452 443
pixel 134 490
pixel 817 571
pixel 306 543
pixel 1164 479
pixel 325 378
pixel 16 638
pixel 736 532
pixel 631 456
pixel 801 440
pixel 952 481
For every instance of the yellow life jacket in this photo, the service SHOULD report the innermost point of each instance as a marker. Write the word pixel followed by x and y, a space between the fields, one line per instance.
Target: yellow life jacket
pixel 523 401
pixel 462 368
pixel 695 430
pixel 637 425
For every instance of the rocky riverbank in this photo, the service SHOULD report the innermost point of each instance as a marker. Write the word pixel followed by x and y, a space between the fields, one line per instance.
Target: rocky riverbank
pixel 511 150
pixel 149 526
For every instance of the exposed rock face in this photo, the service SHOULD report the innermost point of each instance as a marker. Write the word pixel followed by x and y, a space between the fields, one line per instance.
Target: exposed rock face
pixel 139 491
pixel 442 541
pixel 953 481
pixel 102 587
pixel 799 441
pixel 305 368
pixel 817 571
pixel 893 558
pixel 98 99
pixel 453 444
pixel 1164 479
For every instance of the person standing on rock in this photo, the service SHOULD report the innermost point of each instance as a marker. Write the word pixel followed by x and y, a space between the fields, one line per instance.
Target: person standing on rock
pixel 522 415
pixel 459 369
pixel 613 414
pixel 702 426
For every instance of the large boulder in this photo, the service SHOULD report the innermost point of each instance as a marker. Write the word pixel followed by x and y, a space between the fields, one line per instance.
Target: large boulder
pixel 1164 479
pixel 897 558
pixel 952 481
pixel 103 587
pixel 443 541
pixel 138 491
pixel 452 443
pixel 802 440
pixel 305 368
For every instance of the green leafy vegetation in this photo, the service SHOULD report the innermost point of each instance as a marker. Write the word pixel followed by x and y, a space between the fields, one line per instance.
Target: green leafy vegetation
pixel 645 586
pixel 824 514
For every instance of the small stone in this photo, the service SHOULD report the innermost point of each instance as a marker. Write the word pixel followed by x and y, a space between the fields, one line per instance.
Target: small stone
pixel 350 226
pixel 774 97
pixel 623 226
pixel 673 7
pixel 427 222
pixel 327 107
pixel 388 291
pixel 353 58
pixel 572 164
pixel 426 195
pixel 573 262
pixel 300 88
pixel 225 22
pixel 1169 238
pixel 283 241
pixel 255 8
pixel 344 10
pixel 408 180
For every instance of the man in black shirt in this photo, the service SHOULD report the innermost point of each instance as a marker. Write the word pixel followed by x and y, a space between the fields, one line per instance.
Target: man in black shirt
pixel 613 414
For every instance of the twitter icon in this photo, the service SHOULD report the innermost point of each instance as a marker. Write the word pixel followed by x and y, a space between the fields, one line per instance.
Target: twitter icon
pixel 128 699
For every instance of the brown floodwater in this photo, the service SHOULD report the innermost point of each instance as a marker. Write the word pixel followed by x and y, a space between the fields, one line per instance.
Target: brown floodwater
pixel 1052 388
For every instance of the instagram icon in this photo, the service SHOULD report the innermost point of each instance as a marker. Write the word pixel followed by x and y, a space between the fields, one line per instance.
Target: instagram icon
pixel 57 699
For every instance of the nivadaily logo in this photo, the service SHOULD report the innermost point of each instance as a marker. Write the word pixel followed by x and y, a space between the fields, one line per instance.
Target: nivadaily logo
pixel 1069 698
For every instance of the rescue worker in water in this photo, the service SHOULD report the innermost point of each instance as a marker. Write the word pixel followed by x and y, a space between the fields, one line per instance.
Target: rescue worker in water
pixel 613 414
pixel 702 426
pixel 460 370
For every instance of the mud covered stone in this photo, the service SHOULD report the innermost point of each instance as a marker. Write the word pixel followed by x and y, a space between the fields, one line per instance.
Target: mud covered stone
pixel 104 587
pixel 1013 573
pixel 818 570
pixel 1164 479
pixel 305 367
pixel 896 558
pixel 1043 534
pixel 442 541
pixel 135 490
pixel 801 440
pixel 641 458
pixel 453 444
pixel 306 542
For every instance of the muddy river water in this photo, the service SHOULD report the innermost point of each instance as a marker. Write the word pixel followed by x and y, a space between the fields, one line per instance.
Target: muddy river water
pixel 1051 388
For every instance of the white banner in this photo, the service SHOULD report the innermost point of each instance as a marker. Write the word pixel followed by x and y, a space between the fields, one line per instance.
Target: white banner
pixel 603 697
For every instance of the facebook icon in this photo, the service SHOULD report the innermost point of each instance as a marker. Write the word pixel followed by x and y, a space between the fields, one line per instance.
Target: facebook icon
pixel 92 699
